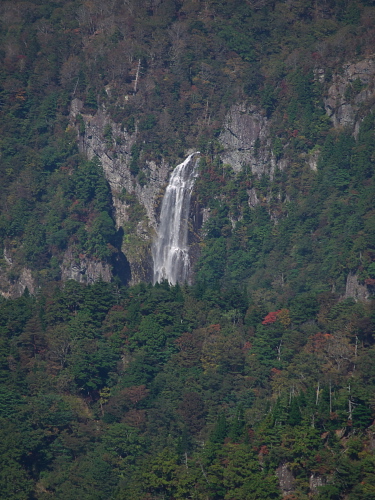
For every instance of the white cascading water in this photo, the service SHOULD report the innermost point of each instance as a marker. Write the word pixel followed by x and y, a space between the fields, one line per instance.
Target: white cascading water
pixel 170 250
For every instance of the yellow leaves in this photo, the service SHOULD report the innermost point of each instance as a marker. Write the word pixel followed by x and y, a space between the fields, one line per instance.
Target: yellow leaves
pixel 21 95
pixel 105 394
pixel 283 317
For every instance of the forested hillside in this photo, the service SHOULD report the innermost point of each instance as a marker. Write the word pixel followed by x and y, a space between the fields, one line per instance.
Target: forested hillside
pixel 255 381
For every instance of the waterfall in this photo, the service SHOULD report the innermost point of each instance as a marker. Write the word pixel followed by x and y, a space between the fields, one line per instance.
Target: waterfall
pixel 170 250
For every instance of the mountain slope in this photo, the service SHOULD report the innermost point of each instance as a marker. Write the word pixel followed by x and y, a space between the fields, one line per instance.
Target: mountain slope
pixel 255 382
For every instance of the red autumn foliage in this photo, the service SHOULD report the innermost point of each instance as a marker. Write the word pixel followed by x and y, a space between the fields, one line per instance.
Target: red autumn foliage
pixel 275 371
pixel 185 342
pixel 135 394
pixel 271 317
pixel 135 418
pixel 293 133
pixel 247 346
pixel 263 450
pixel 317 341
pixel 214 328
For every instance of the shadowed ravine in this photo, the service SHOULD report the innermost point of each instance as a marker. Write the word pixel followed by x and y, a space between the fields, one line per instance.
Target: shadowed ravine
pixel 170 250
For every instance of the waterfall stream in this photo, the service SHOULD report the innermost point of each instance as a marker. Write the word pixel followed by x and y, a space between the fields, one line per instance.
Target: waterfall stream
pixel 170 250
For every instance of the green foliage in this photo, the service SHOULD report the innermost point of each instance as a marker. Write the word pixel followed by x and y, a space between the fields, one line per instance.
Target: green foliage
pixel 148 122
pixel 91 100
pixel 81 124
pixel 303 308
pixel 14 480
pixel 129 378
pixel 111 392
pixel 268 99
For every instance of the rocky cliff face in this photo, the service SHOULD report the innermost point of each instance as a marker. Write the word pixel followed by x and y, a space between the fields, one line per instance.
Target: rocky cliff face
pixel 351 94
pixel 356 290
pixel 114 151
pixel 350 97
pixel 286 479
pixel 13 284
pixel 14 279
pixel 246 140
pixel 83 269
pixel 246 134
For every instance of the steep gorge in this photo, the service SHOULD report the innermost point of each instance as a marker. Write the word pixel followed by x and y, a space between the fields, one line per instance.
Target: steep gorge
pixel 247 141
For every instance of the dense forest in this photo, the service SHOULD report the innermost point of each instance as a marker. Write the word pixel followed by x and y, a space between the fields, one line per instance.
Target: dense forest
pixel 257 380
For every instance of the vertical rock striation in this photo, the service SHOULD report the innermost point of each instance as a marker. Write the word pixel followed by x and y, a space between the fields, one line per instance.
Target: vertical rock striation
pixel 246 140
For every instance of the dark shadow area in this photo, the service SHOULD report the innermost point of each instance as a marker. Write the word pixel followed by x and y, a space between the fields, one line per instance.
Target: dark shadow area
pixel 121 266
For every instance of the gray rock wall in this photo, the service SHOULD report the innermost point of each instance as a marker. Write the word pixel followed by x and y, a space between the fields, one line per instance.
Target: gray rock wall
pixel 13 279
pixel 83 269
pixel 286 479
pixel 355 290
pixel 14 284
pixel 246 140
pixel 115 156
pixel 349 91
